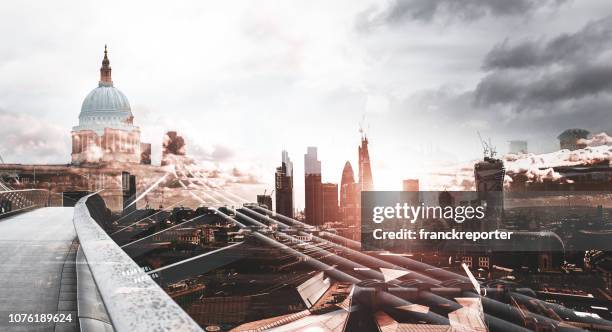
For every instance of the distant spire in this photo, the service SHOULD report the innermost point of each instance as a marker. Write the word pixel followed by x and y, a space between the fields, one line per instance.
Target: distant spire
pixel 362 128
pixel 105 71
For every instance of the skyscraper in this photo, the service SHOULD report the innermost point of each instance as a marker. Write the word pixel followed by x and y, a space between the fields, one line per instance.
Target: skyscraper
pixel 313 189
pixel 128 186
pixel 284 186
pixel 489 181
pixel 489 175
pixel 349 197
pixel 330 202
pixel 365 172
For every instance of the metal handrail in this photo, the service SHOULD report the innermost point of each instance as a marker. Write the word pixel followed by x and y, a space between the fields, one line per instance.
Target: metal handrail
pixel 12 201
pixel 133 301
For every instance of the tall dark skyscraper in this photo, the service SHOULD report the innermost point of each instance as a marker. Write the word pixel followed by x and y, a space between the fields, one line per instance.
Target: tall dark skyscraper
pixel 284 186
pixel 128 185
pixel 330 202
pixel 365 171
pixel 489 180
pixel 349 197
pixel 313 189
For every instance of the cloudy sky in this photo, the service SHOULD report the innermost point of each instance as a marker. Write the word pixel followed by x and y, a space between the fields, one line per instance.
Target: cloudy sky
pixel 242 80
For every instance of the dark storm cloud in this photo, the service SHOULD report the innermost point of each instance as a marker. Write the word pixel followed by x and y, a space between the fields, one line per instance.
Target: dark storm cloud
pixel 526 90
pixel 549 75
pixel 399 11
pixel 534 88
pixel 578 47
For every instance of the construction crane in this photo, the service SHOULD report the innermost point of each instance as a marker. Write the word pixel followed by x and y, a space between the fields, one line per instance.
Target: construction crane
pixel 487 147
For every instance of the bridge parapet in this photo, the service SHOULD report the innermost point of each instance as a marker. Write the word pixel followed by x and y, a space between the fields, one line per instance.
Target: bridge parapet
pixel 133 301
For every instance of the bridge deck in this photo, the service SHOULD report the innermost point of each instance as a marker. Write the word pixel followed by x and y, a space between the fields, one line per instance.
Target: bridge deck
pixel 37 268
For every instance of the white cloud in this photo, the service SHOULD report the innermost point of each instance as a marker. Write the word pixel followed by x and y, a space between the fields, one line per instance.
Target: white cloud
pixel 27 139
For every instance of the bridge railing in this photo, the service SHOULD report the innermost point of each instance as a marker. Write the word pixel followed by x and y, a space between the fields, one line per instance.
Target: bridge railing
pixel 132 300
pixel 12 201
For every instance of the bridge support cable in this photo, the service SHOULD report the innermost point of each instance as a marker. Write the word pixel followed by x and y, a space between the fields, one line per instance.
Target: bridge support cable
pixel 164 230
pixel 200 264
pixel 351 243
pixel 223 193
pixel 201 190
